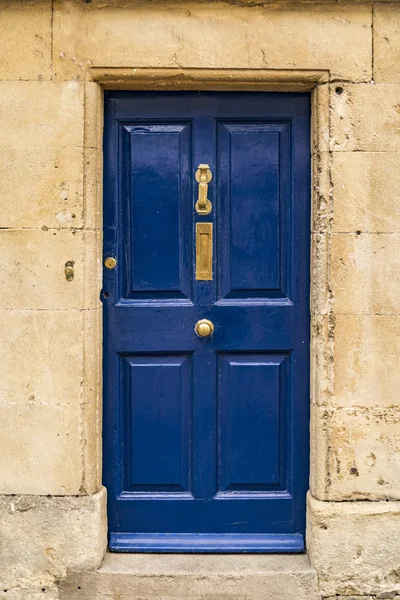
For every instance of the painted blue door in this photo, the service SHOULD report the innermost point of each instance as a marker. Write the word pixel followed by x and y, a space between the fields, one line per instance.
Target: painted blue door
pixel 206 438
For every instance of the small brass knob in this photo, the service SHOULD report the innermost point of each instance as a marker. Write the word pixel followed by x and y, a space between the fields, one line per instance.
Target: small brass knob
pixel 110 262
pixel 69 270
pixel 204 328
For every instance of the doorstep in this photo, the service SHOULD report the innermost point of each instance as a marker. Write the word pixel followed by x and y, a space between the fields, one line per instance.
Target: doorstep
pixel 195 577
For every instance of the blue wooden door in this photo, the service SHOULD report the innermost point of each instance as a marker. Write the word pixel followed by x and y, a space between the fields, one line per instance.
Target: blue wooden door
pixel 206 438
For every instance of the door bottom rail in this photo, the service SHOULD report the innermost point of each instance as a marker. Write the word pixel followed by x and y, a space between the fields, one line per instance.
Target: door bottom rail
pixel 206 542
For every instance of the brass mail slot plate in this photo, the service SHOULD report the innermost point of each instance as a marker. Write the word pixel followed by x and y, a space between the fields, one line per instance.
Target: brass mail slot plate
pixel 204 246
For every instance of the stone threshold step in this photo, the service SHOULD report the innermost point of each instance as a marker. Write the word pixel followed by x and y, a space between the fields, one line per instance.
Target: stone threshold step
pixel 195 577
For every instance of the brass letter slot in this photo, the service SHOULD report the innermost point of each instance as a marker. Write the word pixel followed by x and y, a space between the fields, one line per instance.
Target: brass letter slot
pixel 204 251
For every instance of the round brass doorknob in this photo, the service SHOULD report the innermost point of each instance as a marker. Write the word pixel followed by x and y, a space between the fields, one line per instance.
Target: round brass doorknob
pixel 204 328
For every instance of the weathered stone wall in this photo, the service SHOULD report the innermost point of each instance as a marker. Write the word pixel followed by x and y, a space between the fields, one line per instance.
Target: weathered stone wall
pixel 56 56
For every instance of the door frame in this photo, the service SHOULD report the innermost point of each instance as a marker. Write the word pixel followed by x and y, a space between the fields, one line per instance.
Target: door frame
pixel 321 309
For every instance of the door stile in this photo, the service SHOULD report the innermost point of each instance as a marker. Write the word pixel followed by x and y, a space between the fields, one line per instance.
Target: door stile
pixel 204 368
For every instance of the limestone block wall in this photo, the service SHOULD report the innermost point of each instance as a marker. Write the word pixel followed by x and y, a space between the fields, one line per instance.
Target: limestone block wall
pixel 57 56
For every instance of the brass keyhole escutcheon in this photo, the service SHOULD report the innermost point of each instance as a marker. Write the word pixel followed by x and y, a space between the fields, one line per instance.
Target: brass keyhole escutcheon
pixel 204 328
pixel 110 262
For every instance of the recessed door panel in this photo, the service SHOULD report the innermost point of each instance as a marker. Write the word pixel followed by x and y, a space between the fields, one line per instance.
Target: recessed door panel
pixel 158 408
pixel 254 196
pixel 252 412
pixel 206 320
pixel 157 207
